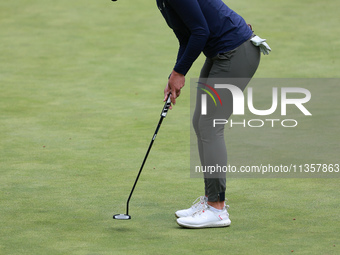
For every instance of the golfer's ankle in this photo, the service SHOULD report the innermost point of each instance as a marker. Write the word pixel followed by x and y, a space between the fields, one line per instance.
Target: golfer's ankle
pixel 218 205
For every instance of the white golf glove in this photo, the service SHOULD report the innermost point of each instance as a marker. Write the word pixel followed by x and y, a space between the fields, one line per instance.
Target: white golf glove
pixel 259 42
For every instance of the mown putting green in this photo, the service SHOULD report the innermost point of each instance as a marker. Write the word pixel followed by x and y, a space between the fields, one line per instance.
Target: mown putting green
pixel 81 88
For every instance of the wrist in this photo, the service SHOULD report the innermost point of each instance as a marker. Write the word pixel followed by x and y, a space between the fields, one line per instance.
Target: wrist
pixel 175 73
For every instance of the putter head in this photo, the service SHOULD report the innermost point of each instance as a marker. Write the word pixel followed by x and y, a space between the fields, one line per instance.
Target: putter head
pixel 121 217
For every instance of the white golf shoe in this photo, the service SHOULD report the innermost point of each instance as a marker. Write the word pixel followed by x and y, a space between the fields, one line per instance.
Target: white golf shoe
pixel 206 218
pixel 197 206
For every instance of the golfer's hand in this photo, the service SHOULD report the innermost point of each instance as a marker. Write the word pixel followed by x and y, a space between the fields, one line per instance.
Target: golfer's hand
pixel 175 83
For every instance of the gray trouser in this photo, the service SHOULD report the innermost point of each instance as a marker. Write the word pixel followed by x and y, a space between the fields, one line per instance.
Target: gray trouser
pixel 241 62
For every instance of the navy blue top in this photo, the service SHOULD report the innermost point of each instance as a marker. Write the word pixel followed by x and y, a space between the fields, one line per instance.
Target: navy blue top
pixel 203 25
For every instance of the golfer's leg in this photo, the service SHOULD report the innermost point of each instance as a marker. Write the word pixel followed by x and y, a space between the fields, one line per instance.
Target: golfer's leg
pixel 214 148
pixel 197 113
pixel 239 63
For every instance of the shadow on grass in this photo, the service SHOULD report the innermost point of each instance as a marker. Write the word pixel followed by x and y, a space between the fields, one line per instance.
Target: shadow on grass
pixel 120 229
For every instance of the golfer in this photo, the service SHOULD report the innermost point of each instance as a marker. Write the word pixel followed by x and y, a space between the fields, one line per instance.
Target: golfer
pixel 211 27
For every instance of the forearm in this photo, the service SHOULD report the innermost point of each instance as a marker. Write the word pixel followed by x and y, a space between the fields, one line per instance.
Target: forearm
pixel 188 54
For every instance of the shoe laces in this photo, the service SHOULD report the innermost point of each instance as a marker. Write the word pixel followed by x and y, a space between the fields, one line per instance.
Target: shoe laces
pixel 199 201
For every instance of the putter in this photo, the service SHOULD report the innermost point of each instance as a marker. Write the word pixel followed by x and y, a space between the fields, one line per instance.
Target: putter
pixel 163 115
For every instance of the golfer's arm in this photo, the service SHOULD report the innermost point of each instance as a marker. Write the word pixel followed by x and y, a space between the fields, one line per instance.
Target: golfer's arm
pixel 190 13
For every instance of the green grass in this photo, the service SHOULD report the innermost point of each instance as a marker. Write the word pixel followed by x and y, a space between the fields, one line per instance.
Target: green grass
pixel 81 86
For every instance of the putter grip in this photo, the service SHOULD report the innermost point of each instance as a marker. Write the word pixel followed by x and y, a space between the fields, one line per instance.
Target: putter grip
pixel 166 107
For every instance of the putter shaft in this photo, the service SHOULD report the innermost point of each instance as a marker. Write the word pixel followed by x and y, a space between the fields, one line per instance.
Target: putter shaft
pixel 163 115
